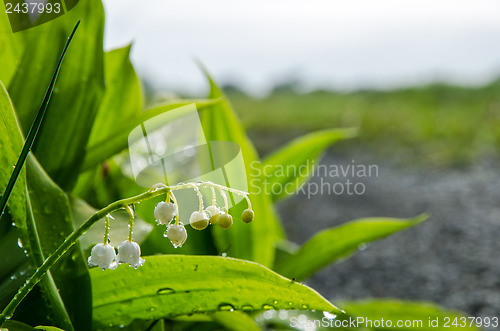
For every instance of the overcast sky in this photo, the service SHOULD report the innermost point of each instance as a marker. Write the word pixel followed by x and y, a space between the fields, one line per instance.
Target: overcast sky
pixel 323 43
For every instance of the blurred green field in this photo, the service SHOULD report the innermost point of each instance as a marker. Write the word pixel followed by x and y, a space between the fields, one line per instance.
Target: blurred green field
pixel 437 125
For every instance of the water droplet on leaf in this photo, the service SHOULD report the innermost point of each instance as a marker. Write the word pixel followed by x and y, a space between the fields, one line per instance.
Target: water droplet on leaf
pixel 226 307
pixel 165 290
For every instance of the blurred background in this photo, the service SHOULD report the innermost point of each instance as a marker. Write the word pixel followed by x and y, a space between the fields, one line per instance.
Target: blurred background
pixel 421 79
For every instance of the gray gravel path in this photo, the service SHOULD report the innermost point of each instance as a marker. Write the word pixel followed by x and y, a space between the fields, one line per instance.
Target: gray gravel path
pixel 452 259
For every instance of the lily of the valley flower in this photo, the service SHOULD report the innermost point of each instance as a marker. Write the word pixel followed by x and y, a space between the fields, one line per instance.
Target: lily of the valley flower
pixel 177 234
pixel 130 252
pixel 103 256
pixel 198 220
pixel 214 213
pixel 165 212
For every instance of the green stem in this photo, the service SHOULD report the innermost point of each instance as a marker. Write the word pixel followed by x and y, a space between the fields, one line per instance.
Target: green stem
pixel 106 230
pixel 200 197
pixel 226 204
pixel 177 217
pixel 130 222
pixel 66 245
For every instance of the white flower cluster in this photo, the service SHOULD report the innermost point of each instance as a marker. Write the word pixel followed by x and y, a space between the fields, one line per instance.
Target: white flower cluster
pixel 104 257
pixel 167 213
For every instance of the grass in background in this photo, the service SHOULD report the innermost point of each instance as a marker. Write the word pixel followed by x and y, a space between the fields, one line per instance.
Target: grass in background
pixel 434 125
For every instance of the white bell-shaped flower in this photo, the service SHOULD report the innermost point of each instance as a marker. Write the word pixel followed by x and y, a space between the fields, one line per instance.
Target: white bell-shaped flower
pixel 214 214
pixel 103 256
pixel 177 234
pixel 130 252
pixel 198 220
pixel 165 212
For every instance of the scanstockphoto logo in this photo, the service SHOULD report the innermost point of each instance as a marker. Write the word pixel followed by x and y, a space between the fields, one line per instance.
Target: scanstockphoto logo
pixel 326 179
pixel 171 148
pixel 27 14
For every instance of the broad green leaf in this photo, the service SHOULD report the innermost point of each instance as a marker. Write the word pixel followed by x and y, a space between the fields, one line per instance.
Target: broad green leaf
pixel 57 310
pixel 122 100
pixel 77 94
pixel 23 215
pixel 117 140
pixel 52 216
pixel 47 328
pixel 174 285
pixel 35 126
pixel 416 314
pixel 10 50
pixel 284 168
pixel 330 245
pixel 254 241
pixel 16 326
pixel 11 144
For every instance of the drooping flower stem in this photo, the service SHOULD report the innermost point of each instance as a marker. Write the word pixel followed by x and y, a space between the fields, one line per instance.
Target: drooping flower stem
pixel 106 230
pixel 68 243
pixel 214 197
pixel 200 197
pixel 248 202
pixel 177 217
pixel 226 204
pixel 130 212
pixel 155 191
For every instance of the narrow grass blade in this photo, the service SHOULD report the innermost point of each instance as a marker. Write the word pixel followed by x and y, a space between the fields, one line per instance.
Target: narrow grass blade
pixel 35 126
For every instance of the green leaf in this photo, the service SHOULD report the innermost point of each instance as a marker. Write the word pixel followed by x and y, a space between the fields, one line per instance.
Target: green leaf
pixel 395 310
pixel 47 328
pixel 23 216
pixel 122 100
pixel 77 94
pixel 304 152
pixel 11 143
pixel 51 212
pixel 254 241
pixel 330 245
pixel 117 140
pixel 174 285
pixel 16 326
pixel 10 50
pixel 32 135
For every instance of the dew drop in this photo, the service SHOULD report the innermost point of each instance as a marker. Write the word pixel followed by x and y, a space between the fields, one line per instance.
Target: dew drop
pixel 165 290
pixel 362 246
pixel 275 302
pixel 329 315
pixel 151 309
pixel 304 306
pixel 19 243
pixel 246 307
pixel 225 307
pixel 223 254
pixel 290 303
pixel 267 307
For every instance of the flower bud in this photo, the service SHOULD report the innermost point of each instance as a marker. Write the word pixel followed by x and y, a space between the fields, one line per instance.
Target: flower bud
pixel 214 212
pixel 177 234
pixel 198 220
pixel 165 212
pixel 247 215
pixel 102 256
pixel 130 252
pixel 225 221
